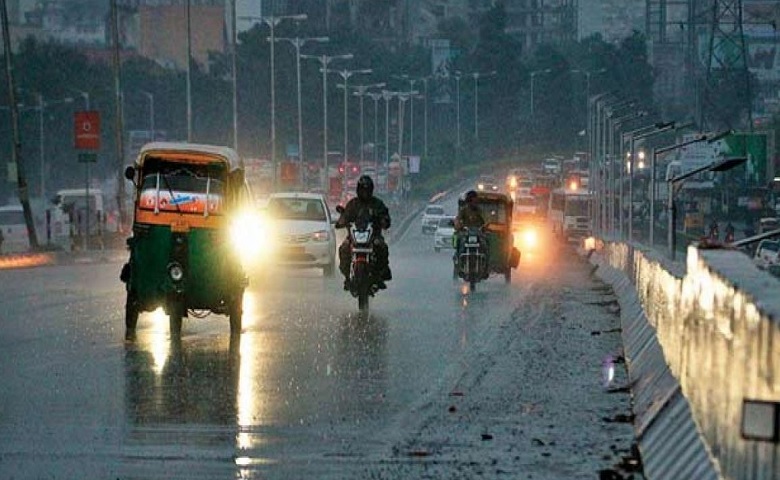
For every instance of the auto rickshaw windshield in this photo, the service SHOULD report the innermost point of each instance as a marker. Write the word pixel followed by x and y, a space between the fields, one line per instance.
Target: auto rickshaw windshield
pixel 182 187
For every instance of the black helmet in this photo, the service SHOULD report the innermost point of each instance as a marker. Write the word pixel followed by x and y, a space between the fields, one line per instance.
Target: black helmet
pixel 365 187
pixel 471 195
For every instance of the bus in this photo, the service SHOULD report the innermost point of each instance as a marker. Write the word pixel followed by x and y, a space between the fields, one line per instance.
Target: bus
pixel 569 213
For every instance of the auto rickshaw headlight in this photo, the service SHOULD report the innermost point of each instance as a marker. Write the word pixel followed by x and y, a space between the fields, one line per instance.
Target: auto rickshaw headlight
pixel 175 271
pixel 530 238
pixel 250 236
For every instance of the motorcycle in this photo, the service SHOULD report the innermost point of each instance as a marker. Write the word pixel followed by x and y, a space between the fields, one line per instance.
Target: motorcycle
pixel 471 262
pixel 362 281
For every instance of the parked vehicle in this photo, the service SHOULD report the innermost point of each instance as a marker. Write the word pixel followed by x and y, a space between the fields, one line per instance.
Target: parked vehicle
pixel 188 200
pixel 442 237
pixel 304 232
pixel 13 229
pixel 430 218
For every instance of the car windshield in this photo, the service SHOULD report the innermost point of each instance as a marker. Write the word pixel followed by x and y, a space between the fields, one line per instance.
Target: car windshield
pixel 434 211
pixel 304 209
pixel 577 207
pixel 493 212
pixel 182 187
pixel 770 245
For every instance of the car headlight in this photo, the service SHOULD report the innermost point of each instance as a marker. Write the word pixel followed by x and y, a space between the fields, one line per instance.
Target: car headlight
pixel 320 236
pixel 481 186
pixel 175 271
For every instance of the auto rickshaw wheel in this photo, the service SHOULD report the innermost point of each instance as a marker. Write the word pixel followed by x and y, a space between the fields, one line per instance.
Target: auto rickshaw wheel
pixel 236 313
pixel 176 312
pixel 131 312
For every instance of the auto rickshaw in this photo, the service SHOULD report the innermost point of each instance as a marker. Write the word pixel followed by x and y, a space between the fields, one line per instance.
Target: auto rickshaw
pixel 181 255
pixel 502 255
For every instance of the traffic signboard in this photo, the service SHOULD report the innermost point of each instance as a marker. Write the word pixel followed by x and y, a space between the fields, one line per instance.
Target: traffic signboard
pixel 87 130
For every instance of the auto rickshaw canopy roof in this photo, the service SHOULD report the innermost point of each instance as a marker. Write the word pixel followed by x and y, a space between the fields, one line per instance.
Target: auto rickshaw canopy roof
pixel 190 153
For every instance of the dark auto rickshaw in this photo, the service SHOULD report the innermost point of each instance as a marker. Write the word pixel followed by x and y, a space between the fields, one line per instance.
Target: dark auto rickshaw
pixel 181 256
pixel 502 255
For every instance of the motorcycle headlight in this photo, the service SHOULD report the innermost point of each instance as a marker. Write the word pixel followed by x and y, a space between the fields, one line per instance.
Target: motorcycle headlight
pixel 320 236
pixel 175 271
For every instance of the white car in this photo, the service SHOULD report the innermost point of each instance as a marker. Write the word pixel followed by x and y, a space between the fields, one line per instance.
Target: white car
pixel 305 235
pixel 430 218
pixel 767 254
pixel 442 237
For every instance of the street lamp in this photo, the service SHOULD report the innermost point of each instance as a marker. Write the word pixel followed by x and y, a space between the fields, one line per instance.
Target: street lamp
pixel 42 159
pixel 533 75
pixel 360 92
pixel 298 42
pixel 673 183
pixel 324 62
pixel 272 22
pixel 615 122
pixel 476 76
pixel 345 75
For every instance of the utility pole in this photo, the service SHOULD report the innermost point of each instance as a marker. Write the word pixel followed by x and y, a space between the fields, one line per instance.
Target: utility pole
pixel 21 181
pixel 119 126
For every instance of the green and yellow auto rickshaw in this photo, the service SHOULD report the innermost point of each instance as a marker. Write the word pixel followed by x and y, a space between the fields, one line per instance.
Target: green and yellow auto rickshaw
pixel 181 254
pixel 502 255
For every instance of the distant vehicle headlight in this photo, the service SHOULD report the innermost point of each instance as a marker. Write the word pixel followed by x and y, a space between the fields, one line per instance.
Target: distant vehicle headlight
pixel 481 186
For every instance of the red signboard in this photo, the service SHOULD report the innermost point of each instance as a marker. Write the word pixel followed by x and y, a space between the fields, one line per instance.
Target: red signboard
pixel 87 130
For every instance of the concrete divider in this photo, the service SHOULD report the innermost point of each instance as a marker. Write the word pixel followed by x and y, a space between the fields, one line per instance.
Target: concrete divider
pixel 697 343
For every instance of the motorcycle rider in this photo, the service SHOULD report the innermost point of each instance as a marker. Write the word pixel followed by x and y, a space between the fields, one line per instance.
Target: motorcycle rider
pixel 366 204
pixel 469 216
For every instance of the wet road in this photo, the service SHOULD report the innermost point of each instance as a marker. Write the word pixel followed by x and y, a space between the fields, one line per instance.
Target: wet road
pixel 310 390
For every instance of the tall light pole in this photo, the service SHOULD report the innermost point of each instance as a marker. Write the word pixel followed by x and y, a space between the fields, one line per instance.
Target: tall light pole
pixel 233 72
pixel 411 93
pixel 189 74
pixel 41 106
pixel 402 98
pixel 345 75
pixel 717 166
pixel 360 92
pixel 387 96
pixel 533 76
pixel 298 42
pixel 150 97
pixel 375 96
pixel 457 112
pixel 272 22
pixel 476 76
pixel 324 62
pixel 425 117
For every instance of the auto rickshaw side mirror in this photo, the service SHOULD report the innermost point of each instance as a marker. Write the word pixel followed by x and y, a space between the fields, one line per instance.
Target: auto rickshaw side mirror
pixel 130 173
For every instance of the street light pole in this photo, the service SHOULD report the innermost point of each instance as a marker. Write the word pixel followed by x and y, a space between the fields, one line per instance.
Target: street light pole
pixel 233 72
pixel 360 92
pixel 324 62
pixel 298 42
pixel 457 111
pixel 189 79
pixel 272 22
pixel 402 98
pixel 476 76
pixel 718 166
pixel 345 75
pixel 375 96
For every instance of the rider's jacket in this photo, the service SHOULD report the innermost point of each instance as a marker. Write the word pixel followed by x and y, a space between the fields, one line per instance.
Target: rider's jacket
pixel 374 208
pixel 469 216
